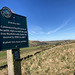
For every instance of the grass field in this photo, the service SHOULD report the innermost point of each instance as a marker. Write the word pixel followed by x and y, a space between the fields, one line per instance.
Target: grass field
pixel 52 60
pixel 24 52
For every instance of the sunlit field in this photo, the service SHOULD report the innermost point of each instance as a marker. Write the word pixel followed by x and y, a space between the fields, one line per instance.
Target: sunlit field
pixel 49 59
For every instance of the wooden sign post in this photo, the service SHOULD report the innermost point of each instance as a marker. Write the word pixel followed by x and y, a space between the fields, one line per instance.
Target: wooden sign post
pixel 13 36
pixel 14 64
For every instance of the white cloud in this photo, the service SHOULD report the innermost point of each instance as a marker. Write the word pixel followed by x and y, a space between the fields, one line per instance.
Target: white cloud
pixel 32 32
pixel 35 30
pixel 38 30
pixel 60 27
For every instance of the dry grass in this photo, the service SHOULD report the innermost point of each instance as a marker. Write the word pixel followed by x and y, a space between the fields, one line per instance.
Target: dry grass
pixel 4 72
pixel 59 60
pixel 56 61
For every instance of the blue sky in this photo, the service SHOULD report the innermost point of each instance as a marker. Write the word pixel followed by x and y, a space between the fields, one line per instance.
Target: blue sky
pixel 46 19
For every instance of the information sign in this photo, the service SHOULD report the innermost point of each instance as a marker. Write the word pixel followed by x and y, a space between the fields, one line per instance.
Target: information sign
pixel 13 30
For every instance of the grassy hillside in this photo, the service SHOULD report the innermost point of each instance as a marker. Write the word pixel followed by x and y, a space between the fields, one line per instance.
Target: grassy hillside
pixel 25 52
pixel 56 61
pixel 36 43
pixel 59 60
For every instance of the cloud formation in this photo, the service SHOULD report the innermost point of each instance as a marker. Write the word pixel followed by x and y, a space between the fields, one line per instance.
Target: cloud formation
pixel 60 27
pixel 38 30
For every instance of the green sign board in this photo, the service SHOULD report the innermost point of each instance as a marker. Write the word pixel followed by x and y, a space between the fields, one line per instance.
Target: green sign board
pixel 13 30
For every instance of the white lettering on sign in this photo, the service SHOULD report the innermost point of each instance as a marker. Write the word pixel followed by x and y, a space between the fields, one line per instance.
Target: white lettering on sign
pixel 12 28
pixel 11 42
pixel 13 33
pixel 13 23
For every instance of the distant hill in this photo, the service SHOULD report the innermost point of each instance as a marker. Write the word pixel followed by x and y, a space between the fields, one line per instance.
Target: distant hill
pixel 36 43
pixel 59 42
